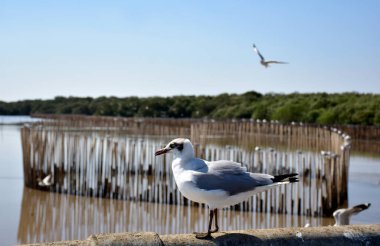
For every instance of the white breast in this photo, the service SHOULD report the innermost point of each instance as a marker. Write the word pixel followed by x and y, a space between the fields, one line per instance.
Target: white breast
pixel 213 198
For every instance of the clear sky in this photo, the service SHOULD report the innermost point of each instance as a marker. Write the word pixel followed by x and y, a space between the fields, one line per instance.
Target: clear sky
pixel 145 48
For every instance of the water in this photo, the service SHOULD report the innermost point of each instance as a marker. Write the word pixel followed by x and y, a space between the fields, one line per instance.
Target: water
pixel 16 120
pixel 364 186
pixel 29 216
pixel 11 183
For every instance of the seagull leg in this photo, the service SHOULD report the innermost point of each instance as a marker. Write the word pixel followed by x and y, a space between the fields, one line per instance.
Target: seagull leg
pixel 207 234
pixel 216 221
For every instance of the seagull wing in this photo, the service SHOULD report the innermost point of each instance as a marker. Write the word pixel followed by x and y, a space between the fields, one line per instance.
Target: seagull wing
pixel 230 177
pixel 47 180
pixel 358 208
pixel 224 166
pixel 258 52
pixel 276 62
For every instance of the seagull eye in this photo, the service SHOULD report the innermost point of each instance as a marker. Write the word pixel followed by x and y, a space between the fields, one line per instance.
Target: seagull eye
pixel 173 145
pixel 180 147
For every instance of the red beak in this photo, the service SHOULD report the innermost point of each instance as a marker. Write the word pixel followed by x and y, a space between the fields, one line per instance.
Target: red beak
pixel 162 151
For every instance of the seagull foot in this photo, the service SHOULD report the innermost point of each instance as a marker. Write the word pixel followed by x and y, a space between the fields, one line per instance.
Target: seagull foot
pixel 215 230
pixel 203 235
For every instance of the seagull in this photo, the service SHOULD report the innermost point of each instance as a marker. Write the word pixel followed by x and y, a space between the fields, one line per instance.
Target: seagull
pixel 342 216
pixel 218 184
pixel 263 61
pixel 45 182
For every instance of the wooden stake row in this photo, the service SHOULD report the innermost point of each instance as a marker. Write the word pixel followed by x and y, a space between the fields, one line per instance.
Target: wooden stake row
pixel 120 164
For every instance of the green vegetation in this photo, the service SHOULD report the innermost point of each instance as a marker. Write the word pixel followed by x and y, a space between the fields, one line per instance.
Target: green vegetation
pixel 321 108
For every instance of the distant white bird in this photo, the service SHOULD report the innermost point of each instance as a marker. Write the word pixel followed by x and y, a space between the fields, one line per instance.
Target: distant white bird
pixel 328 154
pixel 342 216
pixel 325 153
pixel 46 181
pixel 262 59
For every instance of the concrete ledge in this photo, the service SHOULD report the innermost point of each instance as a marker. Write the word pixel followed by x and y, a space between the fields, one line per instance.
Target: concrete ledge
pixel 328 235
pixel 112 239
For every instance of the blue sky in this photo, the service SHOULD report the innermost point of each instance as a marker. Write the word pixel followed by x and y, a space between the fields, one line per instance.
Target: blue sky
pixel 146 48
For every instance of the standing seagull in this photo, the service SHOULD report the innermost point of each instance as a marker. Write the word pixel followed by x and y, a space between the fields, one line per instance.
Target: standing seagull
pixel 342 216
pixel 218 184
pixel 262 59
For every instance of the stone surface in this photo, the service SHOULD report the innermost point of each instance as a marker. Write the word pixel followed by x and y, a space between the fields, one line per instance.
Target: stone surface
pixel 328 235
pixel 130 239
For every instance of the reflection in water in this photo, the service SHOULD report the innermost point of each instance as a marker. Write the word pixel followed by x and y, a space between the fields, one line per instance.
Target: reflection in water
pixel 49 216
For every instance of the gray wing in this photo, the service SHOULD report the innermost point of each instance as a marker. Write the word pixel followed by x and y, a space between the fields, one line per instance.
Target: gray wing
pixel 224 166
pixel 230 177
pixel 258 52
pixel 276 62
pixel 355 210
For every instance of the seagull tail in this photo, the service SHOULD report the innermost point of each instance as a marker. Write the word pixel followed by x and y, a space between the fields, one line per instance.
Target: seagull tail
pixel 287 178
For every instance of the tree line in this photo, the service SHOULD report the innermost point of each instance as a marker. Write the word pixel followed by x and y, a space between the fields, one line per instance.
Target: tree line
pixel 320 108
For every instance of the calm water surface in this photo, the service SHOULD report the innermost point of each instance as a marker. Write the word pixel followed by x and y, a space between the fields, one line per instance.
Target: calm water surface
pixel 28 216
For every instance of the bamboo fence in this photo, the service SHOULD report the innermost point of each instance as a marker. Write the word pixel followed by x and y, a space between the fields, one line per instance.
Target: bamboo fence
pixel 116 159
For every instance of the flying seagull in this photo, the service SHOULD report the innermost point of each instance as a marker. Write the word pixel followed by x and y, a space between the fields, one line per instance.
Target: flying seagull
pixel 262 59
pixel 218 184
pixel 45 182
pixel 342 216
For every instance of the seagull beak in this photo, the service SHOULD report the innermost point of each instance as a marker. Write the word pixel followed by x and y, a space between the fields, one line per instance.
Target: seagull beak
pixel 162 151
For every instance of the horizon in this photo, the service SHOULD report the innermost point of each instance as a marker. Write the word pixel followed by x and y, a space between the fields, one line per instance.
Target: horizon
pixel 170 48
pixel 199 95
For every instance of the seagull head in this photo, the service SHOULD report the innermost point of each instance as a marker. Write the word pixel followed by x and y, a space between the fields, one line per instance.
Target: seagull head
pixel 180 147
